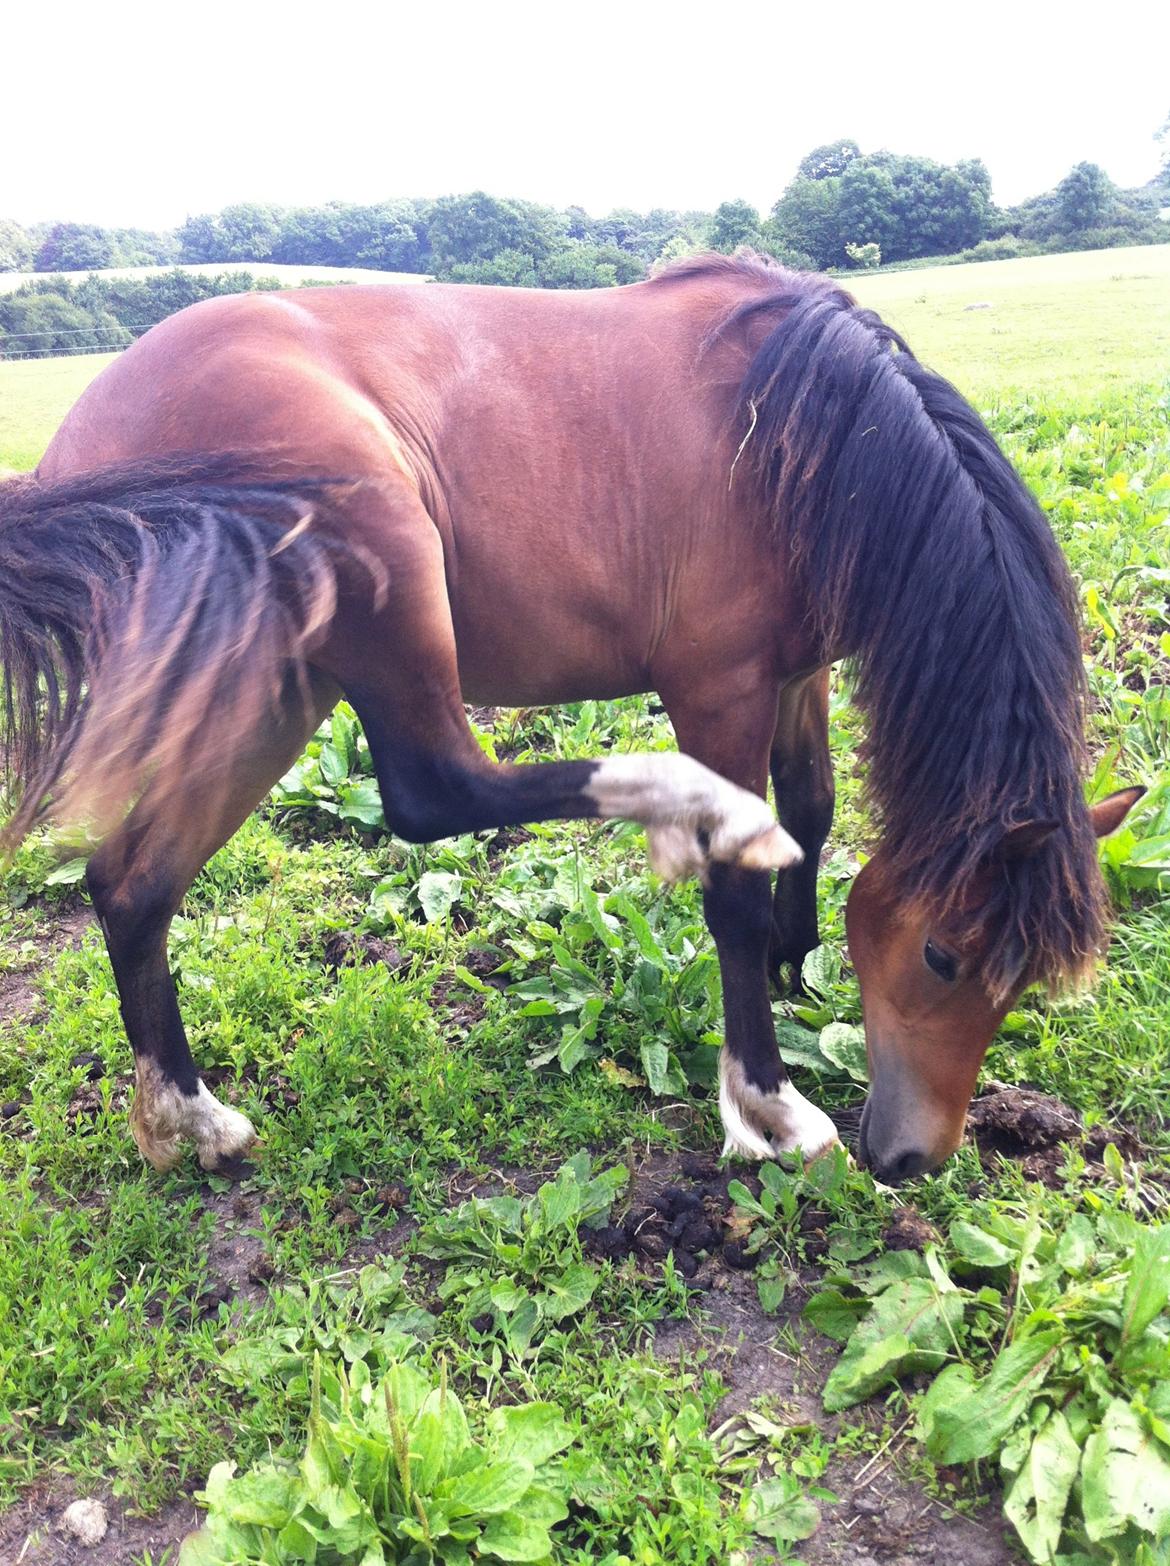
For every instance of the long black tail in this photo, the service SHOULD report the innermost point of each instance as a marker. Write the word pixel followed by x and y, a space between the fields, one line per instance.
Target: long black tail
pixel 149 614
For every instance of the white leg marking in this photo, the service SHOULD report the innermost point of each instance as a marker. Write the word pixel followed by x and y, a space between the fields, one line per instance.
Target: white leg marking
pixel 677 797
pixel 161 1116
pixel 759 1125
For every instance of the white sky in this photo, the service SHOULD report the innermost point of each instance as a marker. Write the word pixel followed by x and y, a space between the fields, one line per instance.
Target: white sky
pixel 130 113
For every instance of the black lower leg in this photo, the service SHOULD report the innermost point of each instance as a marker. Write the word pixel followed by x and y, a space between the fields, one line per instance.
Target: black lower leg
pixel 135 922
pixel 802 777
pixel 737 904
pixel 439 792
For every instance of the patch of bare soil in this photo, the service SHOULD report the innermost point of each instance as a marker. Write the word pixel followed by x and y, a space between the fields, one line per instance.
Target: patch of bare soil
pixel 60 927
pixel 882 1516
pixel 31 1532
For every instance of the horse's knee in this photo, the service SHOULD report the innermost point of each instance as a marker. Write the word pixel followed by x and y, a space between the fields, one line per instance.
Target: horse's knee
pixel 134 909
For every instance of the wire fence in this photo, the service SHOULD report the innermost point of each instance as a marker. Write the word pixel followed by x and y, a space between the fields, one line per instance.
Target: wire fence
pixel 50 344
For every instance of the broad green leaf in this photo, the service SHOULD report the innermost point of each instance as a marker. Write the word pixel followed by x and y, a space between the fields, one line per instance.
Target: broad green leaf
pixel 777 1509
pixel 821 969
pixel 520 1327
pixel 507 1295
pixel 798 1046
pixel 428 1447
pixel 515 1538
pixel 1076 1244
pixel 835 1314
pixel 962 1419
pixel 560 1201
pixel 977 1247
pixel 492 1487
pixel 534 1431
pixel 570 1292
pixel 361 803
pixel 72 871
pixel 910 1327
pixel 438 892
pixel 1148 1289
pixel 1125 1477
pixel 262 1496
pixel 332 763
pixel 662 1071
pixel 1036 1502
pixel 844 1045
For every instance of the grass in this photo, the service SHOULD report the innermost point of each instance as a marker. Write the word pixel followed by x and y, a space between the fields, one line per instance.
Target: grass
pixel 1067 327
pixel 35 395
pixel 153 1327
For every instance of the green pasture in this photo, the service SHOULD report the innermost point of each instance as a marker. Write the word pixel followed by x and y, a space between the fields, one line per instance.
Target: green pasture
pixel 1065 327
pixel 400 1328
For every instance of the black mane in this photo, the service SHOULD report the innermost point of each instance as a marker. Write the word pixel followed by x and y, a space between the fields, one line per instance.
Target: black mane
pixel 926 561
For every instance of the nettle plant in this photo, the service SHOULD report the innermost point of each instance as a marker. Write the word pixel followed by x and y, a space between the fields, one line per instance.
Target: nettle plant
pixel 392 1475
pixel 518 1260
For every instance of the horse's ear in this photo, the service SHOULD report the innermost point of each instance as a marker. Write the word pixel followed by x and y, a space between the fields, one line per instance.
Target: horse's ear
pixel 1108 814
pixel 1024 841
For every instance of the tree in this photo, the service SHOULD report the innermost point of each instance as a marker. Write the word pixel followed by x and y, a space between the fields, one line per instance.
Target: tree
pixel 735 223
pixel 807 219
pixel 866 212
pixel 1084 197
pixel 250 231
pixel 478 227
pixel 201 239
pixel 16 247
pixel 829 161
pixel 75 247
pixel 510 268
pixel 590 266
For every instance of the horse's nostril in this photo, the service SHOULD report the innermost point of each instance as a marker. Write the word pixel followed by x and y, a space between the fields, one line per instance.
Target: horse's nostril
pixel 904 1167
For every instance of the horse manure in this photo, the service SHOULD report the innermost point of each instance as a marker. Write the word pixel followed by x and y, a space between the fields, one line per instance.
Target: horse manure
pixel 345 947
pixel 908 1231
pixel 391 1197
pixel 95 1067
pixel 735 1255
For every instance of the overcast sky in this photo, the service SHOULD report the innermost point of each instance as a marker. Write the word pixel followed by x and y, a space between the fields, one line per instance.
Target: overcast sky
pixel 127 113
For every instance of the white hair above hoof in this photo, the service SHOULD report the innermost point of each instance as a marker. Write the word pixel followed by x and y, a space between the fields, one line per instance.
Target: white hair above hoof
pixel 161 1117
pixel 759 1125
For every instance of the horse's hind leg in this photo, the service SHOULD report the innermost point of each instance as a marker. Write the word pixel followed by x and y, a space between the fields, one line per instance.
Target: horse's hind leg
pixel 138 879
pixel 802 774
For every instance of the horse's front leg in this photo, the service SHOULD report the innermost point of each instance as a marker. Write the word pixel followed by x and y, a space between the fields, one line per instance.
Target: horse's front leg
pixel 399 668
pixel 802 775
pixel 762 1112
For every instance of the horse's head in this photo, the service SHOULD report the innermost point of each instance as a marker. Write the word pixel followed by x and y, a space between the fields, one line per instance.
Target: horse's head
pixel 929 1012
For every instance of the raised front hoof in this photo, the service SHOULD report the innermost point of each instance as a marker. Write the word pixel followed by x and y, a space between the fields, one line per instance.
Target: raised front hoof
pixel 759 1125
pixel 677 853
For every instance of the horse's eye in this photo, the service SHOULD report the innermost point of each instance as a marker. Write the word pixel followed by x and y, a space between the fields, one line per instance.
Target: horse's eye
pixel 940 962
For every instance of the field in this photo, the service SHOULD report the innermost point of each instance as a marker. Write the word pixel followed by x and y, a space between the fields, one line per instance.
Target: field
pixel 647 1345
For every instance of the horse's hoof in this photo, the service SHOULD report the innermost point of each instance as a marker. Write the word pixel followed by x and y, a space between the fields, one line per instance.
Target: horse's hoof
pixel 162 1117
pixel 772 850
pixel 758 1125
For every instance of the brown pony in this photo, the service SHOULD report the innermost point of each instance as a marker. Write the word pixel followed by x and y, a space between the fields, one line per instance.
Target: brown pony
pixel 711 485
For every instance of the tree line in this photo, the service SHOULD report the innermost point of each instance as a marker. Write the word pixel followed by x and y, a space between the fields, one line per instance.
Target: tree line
pixel 842 209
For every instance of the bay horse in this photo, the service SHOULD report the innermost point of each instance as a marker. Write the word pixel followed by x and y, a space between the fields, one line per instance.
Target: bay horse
pixel 712 485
